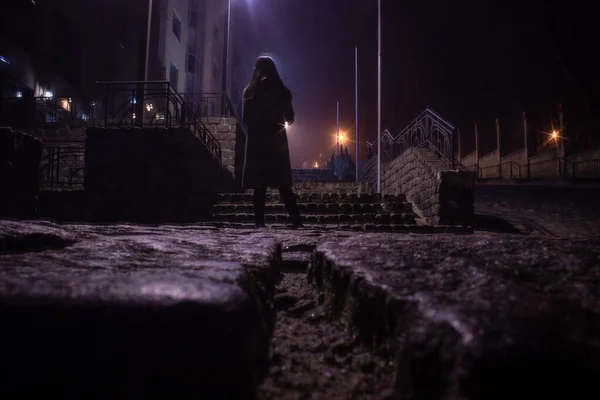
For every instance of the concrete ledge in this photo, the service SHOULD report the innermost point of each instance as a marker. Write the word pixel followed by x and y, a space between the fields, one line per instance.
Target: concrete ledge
pixel 20 158
pixel 151 175
pixel 462 324
pixel 126 311
pixel 438 195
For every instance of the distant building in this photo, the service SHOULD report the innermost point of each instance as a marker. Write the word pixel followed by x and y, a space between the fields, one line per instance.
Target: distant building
pixel 40 54
pixel 61 48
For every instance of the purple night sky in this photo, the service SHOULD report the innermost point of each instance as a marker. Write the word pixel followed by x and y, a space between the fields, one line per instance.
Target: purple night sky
pixel 468 60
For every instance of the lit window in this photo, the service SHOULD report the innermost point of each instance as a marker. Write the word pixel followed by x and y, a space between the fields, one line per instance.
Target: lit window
pixel 48 94
pixel 176 26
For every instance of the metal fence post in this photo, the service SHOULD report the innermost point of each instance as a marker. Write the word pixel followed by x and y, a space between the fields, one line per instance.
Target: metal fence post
pixel 453 137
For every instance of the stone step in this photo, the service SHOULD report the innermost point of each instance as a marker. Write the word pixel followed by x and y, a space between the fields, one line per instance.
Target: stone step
pixel 387 218
pixel 312 197
pixel 137 312
pixel 368 227
pixel 320 208
pixel 326 187
pixel 477 327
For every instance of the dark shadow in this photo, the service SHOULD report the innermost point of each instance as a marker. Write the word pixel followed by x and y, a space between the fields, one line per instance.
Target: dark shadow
pixel 32 242
pixel 493 224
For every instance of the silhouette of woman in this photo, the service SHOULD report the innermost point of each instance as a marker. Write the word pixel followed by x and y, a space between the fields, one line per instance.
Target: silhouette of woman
pixel 267 109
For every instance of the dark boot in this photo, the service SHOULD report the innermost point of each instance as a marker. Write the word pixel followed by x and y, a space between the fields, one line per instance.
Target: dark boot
pixel 289 199
pixel 258 201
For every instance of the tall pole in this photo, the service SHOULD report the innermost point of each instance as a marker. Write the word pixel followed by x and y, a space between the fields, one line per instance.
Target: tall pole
pixel 458 144
pixel 144 54
pixel 356 108
pixel 477 149
pixel 561 142
pixel 226 49
pixel 379 96
pixel 337 135
pixel 526 142
pixel 499 155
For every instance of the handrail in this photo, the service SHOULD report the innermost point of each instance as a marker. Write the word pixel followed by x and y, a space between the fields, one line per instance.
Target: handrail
pixel 56 162
pixel 427 129
pixel 172 110
pixel 564 168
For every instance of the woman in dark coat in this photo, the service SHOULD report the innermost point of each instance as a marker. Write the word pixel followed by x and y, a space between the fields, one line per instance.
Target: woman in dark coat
pixel 267 109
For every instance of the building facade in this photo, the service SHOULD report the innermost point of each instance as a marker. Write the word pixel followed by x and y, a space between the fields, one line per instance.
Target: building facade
pixel 62 48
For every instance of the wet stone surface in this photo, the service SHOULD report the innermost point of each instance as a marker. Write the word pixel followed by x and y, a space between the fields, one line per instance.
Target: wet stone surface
pixel 128 311
pixel 483 316
pixel 559 211
pixel 316 357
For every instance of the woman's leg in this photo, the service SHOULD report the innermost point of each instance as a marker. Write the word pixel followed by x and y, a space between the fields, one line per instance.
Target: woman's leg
pixel 289 199
pixel 258 201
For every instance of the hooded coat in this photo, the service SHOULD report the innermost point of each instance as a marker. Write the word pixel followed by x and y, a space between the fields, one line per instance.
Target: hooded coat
pixel 266 111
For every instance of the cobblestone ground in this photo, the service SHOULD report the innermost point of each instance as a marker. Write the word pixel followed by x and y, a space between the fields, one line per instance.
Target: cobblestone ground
pixel 559 211
pixel 312 354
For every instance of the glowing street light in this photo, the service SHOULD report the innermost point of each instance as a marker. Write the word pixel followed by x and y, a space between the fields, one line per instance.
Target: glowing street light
pixel 554 135
pixel 341 137
pixel 287 124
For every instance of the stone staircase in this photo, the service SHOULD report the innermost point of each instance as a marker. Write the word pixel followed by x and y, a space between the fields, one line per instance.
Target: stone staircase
pixel 335 205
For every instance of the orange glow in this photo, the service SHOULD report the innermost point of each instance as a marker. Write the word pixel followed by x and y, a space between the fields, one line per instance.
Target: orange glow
pixel 316 165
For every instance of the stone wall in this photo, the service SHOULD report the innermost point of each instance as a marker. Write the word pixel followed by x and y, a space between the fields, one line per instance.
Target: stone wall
pixel 488 165
pixel 588 155
pixel 543 165
pixel 20 156
pixel 60 133
pixel 367 172
pixel 63 149
pixel 514 165
pixel 312 175
pixel 150 175
pixel 469 160
pixel 438 195
pixel 232 138
pixel 584 165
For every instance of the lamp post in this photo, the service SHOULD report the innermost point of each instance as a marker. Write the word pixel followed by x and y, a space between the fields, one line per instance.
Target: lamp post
pixel 144 53
pixel 356 109
pixel 379 96
pixel 337 132
pixel 226 50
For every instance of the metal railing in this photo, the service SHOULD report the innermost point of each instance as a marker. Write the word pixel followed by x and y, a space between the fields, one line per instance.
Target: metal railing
pixel 211 104
pixel 551 168
pixel 62 168
pixel 585 169
pixel 154 104
pixel 35 112
pixel 428 130
pixel 59 109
